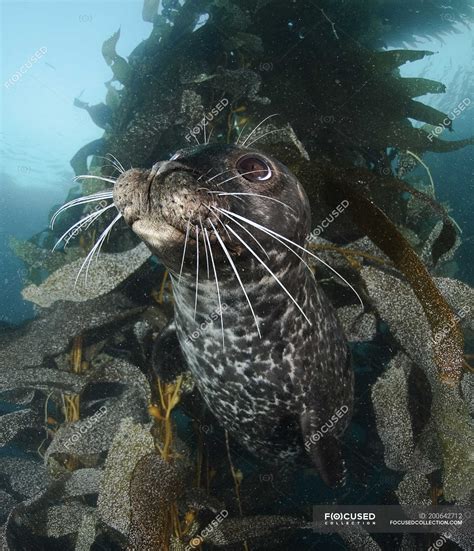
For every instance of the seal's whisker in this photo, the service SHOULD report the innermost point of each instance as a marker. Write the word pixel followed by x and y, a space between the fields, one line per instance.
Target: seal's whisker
pixel 240 133
pixel 197 271
pixel 225 227
pixel 91 253
pixel 271 273
pixel 204 174
pixel 92 177
pixel 268 233
pixel 245 229
pixel 81 201
pixel 234 177
pixel 87 220
pixel 256 195
pixel 113 163
pixel 116 162
pixel 257 127
pixel 234 268
pixel 217 284
pixel 193 135
pixel 263 135
pixel 184 251
pixel 275 234
pixel 205 247
pixel 100 242
pixel 209 137
pixel 217 175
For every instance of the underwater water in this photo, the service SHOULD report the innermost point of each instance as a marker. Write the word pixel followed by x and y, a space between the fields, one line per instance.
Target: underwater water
pixel 237 276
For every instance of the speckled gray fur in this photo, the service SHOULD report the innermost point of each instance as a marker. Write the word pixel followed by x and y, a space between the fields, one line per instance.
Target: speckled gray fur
pixel 270 391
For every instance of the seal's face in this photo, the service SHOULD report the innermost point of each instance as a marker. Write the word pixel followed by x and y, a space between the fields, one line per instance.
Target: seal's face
pixel 202 192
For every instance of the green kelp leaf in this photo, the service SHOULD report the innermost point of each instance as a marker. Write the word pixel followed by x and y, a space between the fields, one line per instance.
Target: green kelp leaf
pixel 150 10
pixel 392 59
pixel 350 185
pixel 108 48
pixel 39 260
pixel 120 66
pixel 112 98
pixel 154 486
pixel 445 241
pixel 121 69
pixel 425 113
pixel 447 237
pixel 416 87
pixel 406 137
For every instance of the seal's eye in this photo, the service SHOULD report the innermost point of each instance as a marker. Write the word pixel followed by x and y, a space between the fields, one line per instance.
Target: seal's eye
pixel 254 169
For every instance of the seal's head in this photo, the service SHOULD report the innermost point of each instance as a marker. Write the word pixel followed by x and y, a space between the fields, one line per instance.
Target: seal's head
pixel 209 190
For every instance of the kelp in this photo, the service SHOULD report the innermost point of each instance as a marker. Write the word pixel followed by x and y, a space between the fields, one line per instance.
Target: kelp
pixel 359 102
pixel 342 103
pixel 448 351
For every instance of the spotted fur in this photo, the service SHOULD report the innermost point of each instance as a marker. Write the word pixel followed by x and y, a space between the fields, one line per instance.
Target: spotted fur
pixel 271 391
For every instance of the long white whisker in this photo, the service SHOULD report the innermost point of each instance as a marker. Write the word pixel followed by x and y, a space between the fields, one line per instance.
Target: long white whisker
pixel 274 233
pixel 205 134
pixel 89 257
pixel 197 141
pixel 224 226
pixel 244 228
pixel 197 271
pixel 117 161
pixel 209 137
pixel 92 177
pixel 81 201
pixel 268 233
pixel 113 162
pixel 236 176
pixel 256 195
pixel 184 252
pixel 205 174
pixel 258 126
pixel 87 220
pixel 205 247
pixel 234 268
pixel 217 175
pixel 241 132
pixel 100 242
pixel 217 284
pixel 263 135
pixel 271 273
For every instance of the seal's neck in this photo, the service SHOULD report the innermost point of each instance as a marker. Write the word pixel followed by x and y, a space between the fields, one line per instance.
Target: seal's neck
pixel 198 298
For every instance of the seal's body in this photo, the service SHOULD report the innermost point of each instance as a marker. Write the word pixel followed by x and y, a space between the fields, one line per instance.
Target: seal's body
pixel 259 336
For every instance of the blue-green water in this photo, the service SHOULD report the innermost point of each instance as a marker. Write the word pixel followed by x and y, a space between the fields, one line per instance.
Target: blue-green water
pixel 80 401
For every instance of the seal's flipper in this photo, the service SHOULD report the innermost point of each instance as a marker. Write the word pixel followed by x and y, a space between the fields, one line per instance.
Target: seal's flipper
pixel 166 358
pixel 324 450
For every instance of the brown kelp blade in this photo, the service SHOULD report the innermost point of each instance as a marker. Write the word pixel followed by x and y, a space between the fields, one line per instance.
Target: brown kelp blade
pixel 448 341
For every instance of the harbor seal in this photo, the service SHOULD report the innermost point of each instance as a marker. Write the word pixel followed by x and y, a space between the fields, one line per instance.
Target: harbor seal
pixel 261 339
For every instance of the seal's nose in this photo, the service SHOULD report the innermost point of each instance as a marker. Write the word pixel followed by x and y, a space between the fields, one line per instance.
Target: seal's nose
pixel 128 191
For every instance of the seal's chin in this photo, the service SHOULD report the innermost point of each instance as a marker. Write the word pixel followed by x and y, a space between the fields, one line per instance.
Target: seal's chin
pixel 158 237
